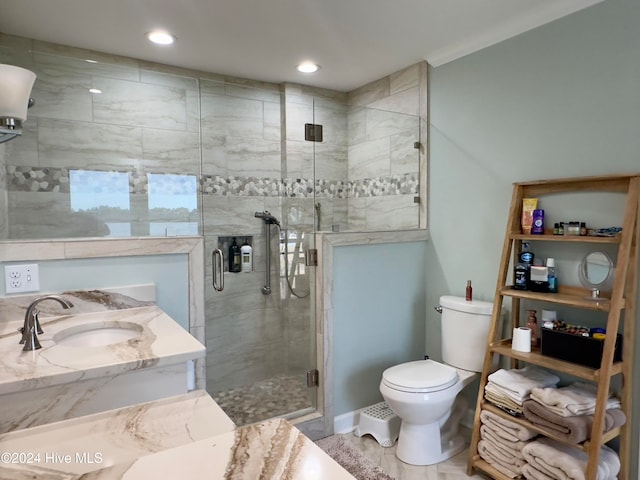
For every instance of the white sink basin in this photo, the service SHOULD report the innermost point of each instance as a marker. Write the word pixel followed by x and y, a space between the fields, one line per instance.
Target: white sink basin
pixel 97 334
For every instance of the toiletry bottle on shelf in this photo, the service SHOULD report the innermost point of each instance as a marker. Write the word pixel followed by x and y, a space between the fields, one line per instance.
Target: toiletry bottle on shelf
pixel 234 257
pixel 246 253
pixel 537 227
pixel 532 324
pixel 521 271
pixel 469 292
pixel 552 278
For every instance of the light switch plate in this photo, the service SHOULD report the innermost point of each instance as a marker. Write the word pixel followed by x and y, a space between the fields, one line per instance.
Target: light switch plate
pixel 21 278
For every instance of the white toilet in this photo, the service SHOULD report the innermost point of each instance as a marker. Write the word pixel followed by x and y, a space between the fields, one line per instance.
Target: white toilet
pixel 423 393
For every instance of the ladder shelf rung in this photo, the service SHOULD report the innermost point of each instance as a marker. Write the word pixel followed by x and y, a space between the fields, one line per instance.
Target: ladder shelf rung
pixel 566 238
pixel 579 301
pixel 503 347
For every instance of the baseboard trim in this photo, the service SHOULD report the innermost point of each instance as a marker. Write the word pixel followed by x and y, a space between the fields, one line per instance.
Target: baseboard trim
pixel 347 422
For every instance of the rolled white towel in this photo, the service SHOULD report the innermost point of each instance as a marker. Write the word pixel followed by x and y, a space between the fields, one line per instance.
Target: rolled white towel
pixel 518 383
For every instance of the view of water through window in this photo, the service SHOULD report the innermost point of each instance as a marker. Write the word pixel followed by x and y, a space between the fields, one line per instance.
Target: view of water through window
pixel 171 207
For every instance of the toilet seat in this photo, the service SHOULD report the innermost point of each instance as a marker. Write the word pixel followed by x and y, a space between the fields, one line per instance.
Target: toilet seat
pixel 421 376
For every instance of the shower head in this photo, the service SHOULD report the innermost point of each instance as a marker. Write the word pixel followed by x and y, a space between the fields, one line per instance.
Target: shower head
pixel 267 217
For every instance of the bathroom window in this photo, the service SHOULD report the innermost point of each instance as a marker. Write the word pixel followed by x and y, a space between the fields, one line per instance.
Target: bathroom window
pixel 100 202
pixel 173 204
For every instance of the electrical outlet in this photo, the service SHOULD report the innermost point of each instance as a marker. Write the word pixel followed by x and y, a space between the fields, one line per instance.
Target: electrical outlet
pixel 21 278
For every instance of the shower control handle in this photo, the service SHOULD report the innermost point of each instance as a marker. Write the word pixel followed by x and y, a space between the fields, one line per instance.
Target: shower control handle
pixel 217 264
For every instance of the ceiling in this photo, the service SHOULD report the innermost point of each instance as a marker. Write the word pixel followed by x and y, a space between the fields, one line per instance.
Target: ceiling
pixel 354 41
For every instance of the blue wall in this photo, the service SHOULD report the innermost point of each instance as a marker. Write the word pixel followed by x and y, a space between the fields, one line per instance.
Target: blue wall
pixel 168 272
pixel 379 317
pixel 561 100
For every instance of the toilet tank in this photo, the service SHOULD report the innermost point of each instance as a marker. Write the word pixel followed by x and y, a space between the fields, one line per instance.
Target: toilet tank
pixel 465 329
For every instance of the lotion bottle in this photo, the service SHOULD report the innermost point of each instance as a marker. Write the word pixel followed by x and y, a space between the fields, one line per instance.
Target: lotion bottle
pixel 246 254
pixel 532 324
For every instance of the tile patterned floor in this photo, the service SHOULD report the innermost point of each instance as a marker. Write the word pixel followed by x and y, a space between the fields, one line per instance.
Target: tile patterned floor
pixel 265 399
pixel 452 469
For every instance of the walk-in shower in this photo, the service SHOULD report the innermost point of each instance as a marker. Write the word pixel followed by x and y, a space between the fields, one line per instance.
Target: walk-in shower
pixel 236 147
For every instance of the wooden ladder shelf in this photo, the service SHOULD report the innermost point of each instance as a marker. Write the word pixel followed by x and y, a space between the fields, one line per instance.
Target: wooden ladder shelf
pixel 622 303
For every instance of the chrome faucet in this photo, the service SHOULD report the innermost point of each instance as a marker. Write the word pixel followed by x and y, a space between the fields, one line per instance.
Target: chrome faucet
pixel 32 325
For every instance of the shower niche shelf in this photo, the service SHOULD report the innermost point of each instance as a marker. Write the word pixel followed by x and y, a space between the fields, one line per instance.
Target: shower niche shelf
pixel 225 242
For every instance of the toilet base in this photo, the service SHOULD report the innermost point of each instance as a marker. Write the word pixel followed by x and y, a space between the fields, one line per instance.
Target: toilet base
pixel 432 443
pixel 416 445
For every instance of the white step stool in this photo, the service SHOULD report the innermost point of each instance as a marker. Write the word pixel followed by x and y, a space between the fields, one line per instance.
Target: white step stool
pixel 380 422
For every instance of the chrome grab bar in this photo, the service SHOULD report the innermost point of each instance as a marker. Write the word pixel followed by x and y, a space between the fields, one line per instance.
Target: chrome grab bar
pixel 218 269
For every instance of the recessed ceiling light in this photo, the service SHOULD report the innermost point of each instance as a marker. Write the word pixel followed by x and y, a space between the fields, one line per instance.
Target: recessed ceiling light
pixel 95 90
pixel 161 37
pixel 308 67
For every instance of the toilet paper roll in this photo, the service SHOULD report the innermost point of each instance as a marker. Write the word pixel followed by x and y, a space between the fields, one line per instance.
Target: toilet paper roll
pixel 521 341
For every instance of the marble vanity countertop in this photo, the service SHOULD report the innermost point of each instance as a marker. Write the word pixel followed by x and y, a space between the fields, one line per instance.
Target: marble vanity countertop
pixel 80 445
pixel 274 449
pixel 185 437
pixel 159 341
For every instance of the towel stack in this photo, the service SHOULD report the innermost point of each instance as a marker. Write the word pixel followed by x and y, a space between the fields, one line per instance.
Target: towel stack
pixel 567 412
pixel 547 459
pixel 502 443
pixel 576 399
pixel 508 389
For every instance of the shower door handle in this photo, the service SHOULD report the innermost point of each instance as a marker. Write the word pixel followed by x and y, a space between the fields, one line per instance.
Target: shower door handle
pixel 217 263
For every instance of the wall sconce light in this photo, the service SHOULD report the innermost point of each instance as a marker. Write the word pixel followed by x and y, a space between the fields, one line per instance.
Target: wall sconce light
pixel 15 90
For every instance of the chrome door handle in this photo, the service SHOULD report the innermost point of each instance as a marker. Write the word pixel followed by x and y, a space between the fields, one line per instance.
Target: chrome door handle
pixel 217 262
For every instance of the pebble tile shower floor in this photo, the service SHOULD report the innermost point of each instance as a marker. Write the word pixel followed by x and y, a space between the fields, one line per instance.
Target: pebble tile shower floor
pixel 270 398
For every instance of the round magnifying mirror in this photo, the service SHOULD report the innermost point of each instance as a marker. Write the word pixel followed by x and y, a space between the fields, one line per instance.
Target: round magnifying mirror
pixel 596 269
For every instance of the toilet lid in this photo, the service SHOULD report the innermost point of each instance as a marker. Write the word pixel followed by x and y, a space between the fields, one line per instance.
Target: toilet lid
pixel 421 376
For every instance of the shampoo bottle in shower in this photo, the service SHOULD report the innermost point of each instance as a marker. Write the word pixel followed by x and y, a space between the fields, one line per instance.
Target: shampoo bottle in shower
pixel 234 257
pixel 246 254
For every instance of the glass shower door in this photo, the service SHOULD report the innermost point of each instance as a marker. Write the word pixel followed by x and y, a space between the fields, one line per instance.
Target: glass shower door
pixel 260 341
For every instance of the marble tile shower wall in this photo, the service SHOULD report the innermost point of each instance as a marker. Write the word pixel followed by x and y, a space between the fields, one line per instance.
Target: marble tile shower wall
pixel 384 123
pixel 152 118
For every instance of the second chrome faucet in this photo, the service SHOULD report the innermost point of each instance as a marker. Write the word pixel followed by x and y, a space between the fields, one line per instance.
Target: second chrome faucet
pixel 31 327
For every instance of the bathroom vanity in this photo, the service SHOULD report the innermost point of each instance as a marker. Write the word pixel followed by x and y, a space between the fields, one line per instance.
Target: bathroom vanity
pixel 91 362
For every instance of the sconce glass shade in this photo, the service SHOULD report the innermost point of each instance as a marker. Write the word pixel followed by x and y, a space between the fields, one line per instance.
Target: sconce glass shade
pixel 15 88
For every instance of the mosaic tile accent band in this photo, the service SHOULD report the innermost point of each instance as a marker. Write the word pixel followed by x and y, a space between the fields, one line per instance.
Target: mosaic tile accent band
pixel 52 179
